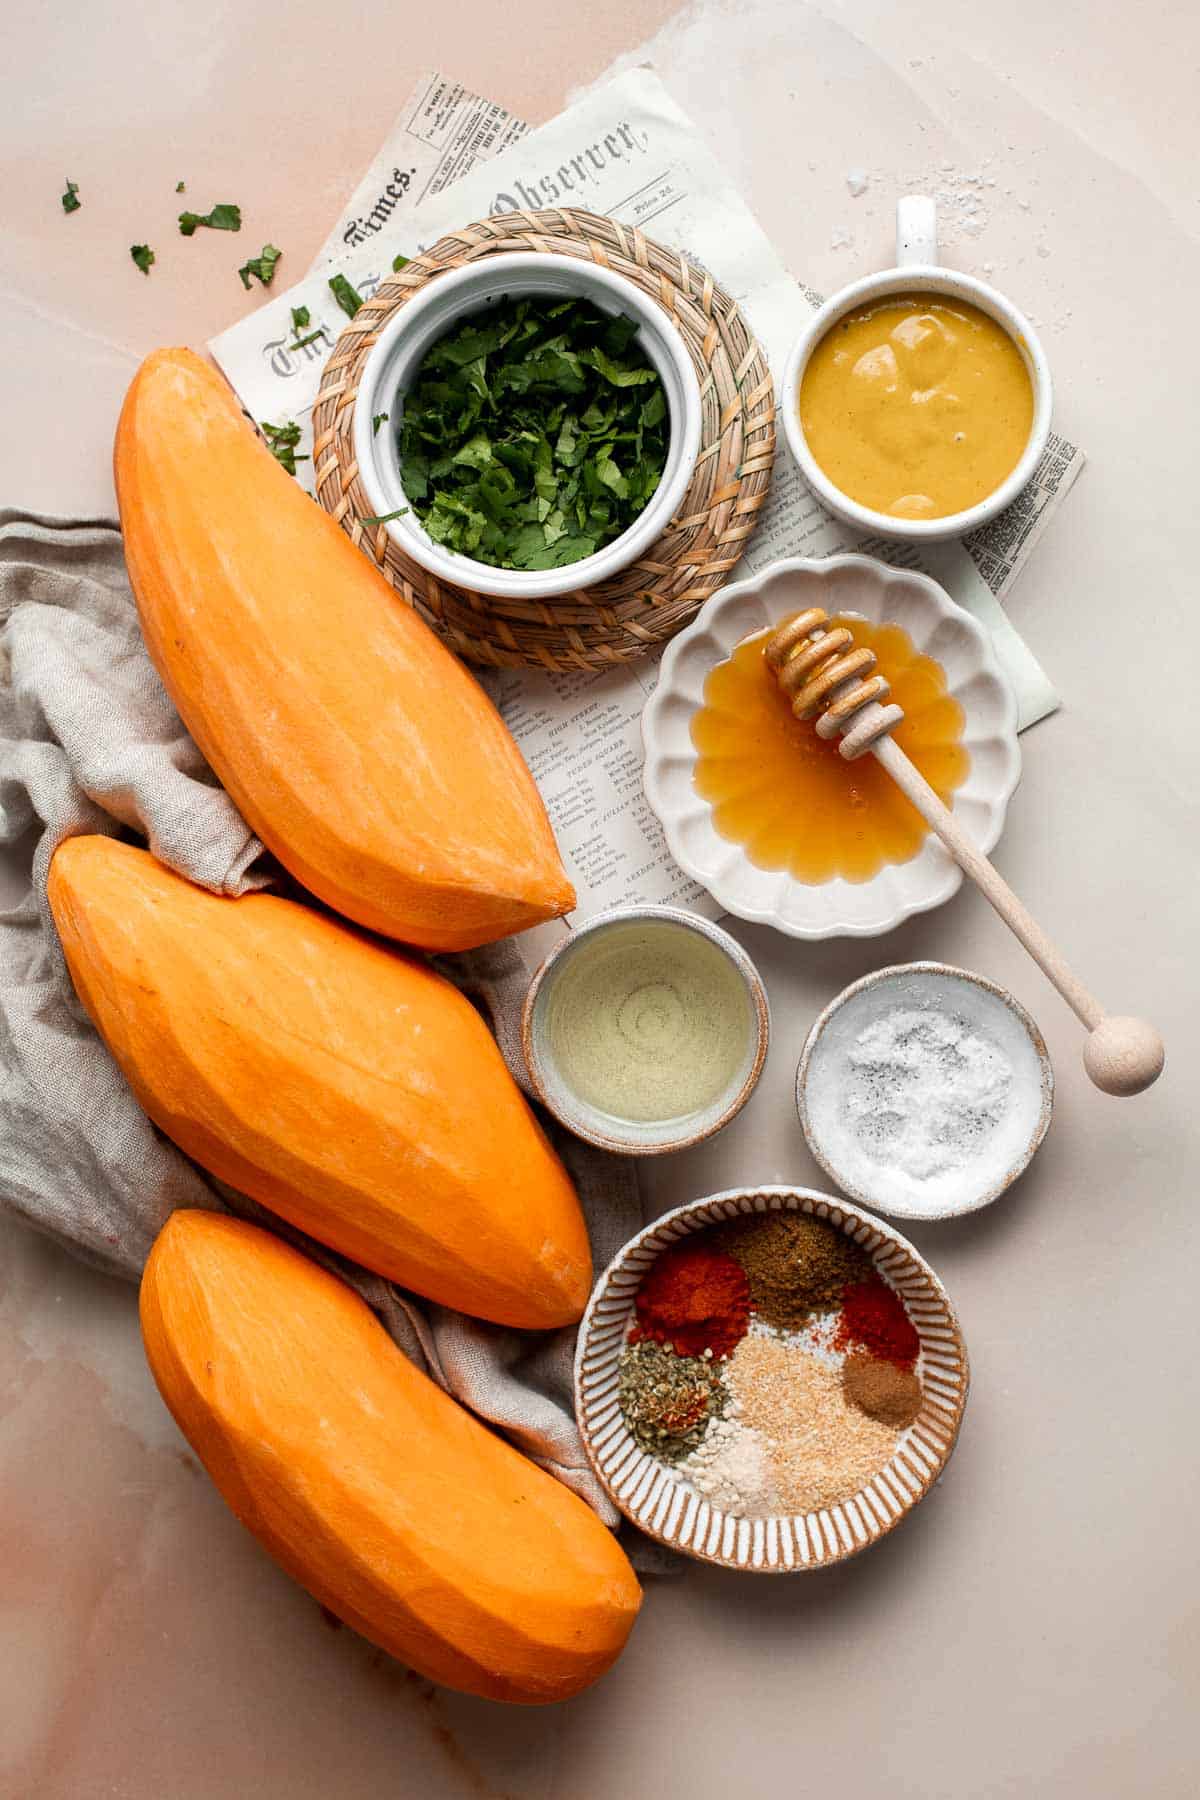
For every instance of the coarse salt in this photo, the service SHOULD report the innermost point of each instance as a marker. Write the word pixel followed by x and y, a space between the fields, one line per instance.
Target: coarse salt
pixel 924 1092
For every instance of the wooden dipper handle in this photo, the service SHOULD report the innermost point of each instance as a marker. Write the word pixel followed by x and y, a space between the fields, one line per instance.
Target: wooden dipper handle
pixel 1121 1055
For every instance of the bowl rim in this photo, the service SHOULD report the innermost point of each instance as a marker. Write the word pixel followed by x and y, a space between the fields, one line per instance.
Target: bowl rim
pixel 653 776
pixel 902 1209
pixel 752 981
pixel 930 278
pixel 586 279
pixel 837 1537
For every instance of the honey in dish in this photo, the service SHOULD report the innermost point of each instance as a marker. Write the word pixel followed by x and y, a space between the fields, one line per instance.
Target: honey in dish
pixel 788 797
pixel 917 405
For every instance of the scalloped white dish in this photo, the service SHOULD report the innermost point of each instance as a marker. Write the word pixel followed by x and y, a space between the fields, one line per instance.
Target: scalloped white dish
pixel 938 628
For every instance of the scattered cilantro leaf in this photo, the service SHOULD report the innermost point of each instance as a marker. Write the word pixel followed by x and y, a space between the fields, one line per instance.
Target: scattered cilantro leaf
pixel 143 256
pixel 378 420
pixel 179 187
pixel 399 262
pixel 382 518
pixel 300 318
pixel 263 266
pixel 347 298
pixel 533 434
pixel 282 441
pixel 225 217
pixel 70 200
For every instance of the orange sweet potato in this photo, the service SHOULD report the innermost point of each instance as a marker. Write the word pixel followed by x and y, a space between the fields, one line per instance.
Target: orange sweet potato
pixel 393 1506
pixel 355 744
pixel 338 1081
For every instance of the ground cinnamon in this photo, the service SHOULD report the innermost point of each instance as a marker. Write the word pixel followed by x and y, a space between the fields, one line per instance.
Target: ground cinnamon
pixel 881 1390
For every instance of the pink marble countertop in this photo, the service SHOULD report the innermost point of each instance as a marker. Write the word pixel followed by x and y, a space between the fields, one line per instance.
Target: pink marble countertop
pixel 1032 1630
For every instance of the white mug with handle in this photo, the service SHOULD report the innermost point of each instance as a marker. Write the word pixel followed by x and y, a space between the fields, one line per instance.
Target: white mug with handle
pixel 918 271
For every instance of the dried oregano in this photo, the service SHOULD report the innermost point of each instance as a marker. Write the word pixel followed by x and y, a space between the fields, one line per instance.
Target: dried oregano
pixel 668 1400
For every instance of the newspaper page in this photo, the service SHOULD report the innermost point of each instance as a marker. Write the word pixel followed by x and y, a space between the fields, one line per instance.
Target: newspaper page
pixel 627 151
pixel 442 132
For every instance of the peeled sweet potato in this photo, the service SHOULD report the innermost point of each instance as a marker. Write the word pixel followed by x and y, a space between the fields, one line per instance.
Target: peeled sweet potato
pixel 392 1505
pixel 359 749
pixel 338 1081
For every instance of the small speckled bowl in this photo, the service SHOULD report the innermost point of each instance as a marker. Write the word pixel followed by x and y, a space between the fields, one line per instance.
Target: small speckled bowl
pixel 660 1501
pixel 627 1136
pixel 981 1003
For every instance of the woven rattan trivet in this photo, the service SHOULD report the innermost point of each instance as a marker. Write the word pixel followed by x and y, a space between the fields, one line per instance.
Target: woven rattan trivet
pixel 648 602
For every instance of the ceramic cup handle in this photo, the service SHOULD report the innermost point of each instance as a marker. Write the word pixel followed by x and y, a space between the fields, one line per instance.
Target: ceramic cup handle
pixel 916 231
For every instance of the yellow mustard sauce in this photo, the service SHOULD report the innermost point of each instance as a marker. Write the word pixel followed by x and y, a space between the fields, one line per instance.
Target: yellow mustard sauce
pixel 789 798
pixel 916 405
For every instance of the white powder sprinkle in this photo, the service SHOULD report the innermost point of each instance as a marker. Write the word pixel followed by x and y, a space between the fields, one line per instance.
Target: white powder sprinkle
pixel 857 182
pixel 816 1337
pixel 731 1467
pixel 925 1091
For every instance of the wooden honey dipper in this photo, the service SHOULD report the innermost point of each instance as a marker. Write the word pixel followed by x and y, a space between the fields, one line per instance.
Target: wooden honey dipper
pixel 823 674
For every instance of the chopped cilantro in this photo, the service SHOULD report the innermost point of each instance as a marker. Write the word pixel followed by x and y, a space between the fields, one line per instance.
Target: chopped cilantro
pixel 143 256
pixel 263 266
pixel 225 217
pixel 533 434
pixel 398 263
pixel 382 518
pixel 300 318
pixel 70 200
pixel 378 420
pixel 345 295
pixel 179 187
pixel 282 441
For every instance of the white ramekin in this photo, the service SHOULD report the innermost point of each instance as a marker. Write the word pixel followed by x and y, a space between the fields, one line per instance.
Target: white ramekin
pixel 435 309
pixel 918 271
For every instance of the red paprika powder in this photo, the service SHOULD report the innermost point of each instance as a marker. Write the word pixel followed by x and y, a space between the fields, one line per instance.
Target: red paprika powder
pixel 694 1299
pixel 873 1319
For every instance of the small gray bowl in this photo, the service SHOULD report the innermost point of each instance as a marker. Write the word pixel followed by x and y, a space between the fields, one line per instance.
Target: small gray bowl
pixel 982 1003
pixel 628 1136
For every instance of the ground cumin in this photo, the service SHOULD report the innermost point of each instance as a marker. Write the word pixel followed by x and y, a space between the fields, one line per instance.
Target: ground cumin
pixel 796 1266
pixel 881 1390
